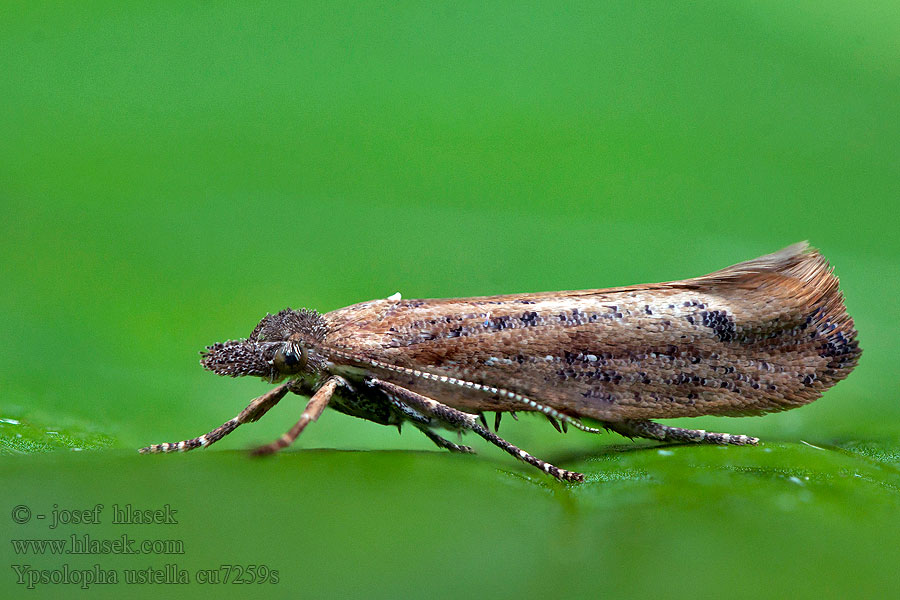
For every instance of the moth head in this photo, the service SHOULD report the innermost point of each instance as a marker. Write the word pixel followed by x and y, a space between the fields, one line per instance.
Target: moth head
pixel 282 345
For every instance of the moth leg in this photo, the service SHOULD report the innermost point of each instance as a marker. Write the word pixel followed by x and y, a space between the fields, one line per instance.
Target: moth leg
pixel 665 433
pixel 461 420
pixel 256 409
pixel 441 442
pixel 314 408
pixel 423 424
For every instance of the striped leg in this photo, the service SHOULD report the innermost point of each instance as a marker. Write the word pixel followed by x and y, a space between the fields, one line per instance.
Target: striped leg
pixel 441 442
pixel 313 409
pixel 665 433
pixel 254 411
pixel 457 419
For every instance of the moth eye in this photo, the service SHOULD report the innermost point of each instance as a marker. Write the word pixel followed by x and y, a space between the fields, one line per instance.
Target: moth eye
pixel 290 358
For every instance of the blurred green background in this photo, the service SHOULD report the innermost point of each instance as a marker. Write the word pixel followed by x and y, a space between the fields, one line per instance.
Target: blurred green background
pixel 170 172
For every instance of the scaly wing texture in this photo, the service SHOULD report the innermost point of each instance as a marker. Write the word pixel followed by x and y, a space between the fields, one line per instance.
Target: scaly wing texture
pixel 764 335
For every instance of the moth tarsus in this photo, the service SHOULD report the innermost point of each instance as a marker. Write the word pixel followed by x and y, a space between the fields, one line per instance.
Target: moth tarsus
pixel 761 336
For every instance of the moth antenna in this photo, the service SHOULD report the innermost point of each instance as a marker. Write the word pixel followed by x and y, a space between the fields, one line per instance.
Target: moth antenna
pixel 510 395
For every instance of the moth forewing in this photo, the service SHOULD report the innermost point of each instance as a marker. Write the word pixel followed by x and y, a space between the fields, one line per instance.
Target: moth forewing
pixel 761 336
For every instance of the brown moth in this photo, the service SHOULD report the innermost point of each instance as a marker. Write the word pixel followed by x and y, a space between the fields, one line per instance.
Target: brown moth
pixel 761 336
